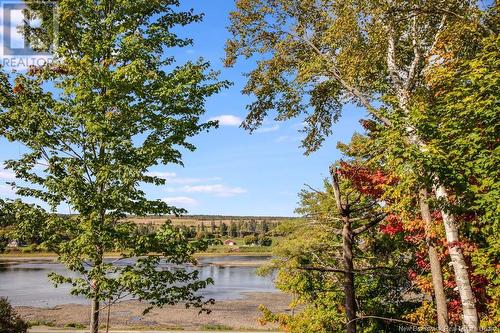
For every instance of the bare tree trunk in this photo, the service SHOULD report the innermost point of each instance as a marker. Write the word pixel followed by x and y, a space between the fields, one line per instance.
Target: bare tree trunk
pixel 347 241
pixel 350 301
pixel 470 318
pixel 437 274
pixel 94 315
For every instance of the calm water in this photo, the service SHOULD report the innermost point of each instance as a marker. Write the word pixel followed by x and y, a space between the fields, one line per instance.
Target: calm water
pixel 26 283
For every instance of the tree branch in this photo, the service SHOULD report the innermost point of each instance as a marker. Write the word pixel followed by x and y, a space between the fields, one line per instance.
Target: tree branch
pixel 336 190
pixel 334 71
pixel 373 223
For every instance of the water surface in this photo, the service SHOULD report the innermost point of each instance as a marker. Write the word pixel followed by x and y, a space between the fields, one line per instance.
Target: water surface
pixel 26 283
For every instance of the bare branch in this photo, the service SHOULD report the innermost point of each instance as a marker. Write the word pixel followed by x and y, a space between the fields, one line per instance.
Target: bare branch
pixel 436 36
pixel 373 223
pixel 410 80
pixel 313 189
pixel 336 190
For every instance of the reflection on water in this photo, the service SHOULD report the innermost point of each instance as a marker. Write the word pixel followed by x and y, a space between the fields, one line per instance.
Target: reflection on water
pixel 26 282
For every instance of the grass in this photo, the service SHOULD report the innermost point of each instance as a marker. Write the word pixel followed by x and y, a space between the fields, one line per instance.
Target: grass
pixel 216 327
pixel 33 323
pixel 215 250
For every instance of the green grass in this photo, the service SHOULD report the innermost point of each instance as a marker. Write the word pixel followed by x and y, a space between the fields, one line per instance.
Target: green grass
pixel 216 327
pixel 33 323
pixel 239 249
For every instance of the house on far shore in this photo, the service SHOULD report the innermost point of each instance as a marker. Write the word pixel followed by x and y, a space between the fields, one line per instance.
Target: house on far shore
pixel 229 242
pixel 13 244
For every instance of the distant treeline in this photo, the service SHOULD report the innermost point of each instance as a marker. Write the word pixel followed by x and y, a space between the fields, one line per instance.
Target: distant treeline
pixel 215 217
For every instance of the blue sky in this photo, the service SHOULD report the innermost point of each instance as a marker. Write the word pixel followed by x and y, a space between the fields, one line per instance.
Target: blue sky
pixel 233 172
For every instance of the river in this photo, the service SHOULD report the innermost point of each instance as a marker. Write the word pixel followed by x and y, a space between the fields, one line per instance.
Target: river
pixel 25 282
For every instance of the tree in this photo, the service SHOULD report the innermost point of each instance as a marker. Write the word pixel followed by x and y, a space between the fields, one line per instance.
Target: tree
pixel 264 226
pixel 320 55
pixel 223 229
pixel 336 254
pixel 366 185
pixel 464 105
pixel 252 226
pixel 250 240
pixel 110 106
pixel 10 322
pixel 240 228
pixel 263 240
pixel 233 229
pixel 378 149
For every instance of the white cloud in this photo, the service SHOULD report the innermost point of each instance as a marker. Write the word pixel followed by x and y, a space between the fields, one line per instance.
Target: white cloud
pixel 216 189
pixel 161 174
pixel 227 120
pixel 300 125
pixel 182 180
pixel 7 175
pixel 287 138
pixel 267 129
pixel 7 191
pixel 187 201
pixel 172 178
pixel 282 138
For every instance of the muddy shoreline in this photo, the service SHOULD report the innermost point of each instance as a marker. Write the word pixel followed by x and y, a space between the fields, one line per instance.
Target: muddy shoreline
pixel 242 314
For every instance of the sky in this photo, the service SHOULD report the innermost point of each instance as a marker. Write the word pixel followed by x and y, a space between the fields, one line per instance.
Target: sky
pixel 232 172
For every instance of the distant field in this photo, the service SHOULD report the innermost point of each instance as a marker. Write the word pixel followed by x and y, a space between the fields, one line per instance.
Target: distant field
pixel 194 220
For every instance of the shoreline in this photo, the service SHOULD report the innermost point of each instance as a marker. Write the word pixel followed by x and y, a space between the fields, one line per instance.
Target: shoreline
pixel 53 257
pixel 238 314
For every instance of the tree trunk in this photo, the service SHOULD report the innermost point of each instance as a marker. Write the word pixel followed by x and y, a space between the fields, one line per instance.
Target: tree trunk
pixel 347 241
pixel 108 316
pixel 470 318
pixel 94 315
pixel 350 301
pixel 95 308
pixel 437 275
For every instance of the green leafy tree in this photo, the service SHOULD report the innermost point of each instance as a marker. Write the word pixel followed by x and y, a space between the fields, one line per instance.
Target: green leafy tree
pixel 223 229
pixel 112 104
pixel 263 240
pixel 317 56
pixel 250 240
pixel 10 321
pixel 264 226
pixel 464 104
pixel 233 229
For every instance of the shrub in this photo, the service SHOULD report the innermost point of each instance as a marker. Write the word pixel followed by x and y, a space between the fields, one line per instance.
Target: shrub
pixel 10 322
pixel 265 241
pixel 250 240
pixel 26 249
pixel 3 242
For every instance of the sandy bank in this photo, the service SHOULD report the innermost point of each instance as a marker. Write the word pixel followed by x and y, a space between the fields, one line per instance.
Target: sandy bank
pixel 231 314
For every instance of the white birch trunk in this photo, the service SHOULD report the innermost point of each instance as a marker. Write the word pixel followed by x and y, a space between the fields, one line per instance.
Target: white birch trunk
pixel 470 318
